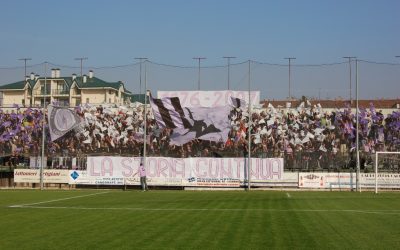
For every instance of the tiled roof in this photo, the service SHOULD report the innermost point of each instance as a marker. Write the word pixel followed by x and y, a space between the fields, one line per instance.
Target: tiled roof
pixel 95 82
pixel 16 85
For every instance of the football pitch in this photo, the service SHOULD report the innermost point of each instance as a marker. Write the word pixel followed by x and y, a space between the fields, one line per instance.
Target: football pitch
pixel 109 219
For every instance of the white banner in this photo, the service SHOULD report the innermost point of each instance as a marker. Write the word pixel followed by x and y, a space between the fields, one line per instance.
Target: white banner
pixel 33 175
pixel 227 172
pixel 210 98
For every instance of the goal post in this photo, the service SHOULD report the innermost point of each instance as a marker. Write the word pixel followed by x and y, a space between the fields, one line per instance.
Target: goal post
pixel 377 163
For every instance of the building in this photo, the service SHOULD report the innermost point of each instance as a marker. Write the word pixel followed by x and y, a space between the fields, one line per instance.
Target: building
pixel 63 91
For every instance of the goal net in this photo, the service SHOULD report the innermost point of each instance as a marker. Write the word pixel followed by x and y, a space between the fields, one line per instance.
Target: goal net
pixel 387 170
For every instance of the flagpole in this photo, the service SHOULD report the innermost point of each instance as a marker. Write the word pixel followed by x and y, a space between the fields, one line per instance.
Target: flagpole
pixel 249 136
pixel 145 116
pixel 43 125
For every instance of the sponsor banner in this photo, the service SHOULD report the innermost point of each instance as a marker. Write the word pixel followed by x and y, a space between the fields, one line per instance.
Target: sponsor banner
pixel 210 98
pixel 289 179
pixel 213 182
pixel 311 180
pixel 229 172
pixel 327 180
pixel 33 175
pixel 347 180
pixel 155 181
pixel 82 177
pixel 385 180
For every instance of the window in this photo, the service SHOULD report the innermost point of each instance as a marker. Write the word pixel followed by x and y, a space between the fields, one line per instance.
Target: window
pixel 23 102
pixel 109 92
pixel 109 100
pixel 87 100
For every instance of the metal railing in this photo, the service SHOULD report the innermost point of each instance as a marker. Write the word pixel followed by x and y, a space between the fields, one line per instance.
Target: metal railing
pixel 41 92
pixel 60 92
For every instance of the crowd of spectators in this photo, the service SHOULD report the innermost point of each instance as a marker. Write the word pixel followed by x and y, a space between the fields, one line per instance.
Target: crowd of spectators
pixel 308 137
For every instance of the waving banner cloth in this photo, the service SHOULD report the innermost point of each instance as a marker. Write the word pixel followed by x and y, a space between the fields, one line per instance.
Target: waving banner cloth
pixel 191 123
pixel 238 103
pixel 61 120
pixel 169 112
pixel 210 124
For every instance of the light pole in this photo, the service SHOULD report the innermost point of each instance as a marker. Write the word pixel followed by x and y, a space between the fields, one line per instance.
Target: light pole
pixel 140 73
pixel 199 59
pixel 27 59
pixel 229 64
pixel 358 186
pixel 249 130
pixel 350 58
pixel 145 117
pixel 43 126
pixel 290 60
pixel 81 59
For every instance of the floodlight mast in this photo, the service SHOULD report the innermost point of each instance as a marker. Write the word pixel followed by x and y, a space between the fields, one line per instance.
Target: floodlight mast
pixel 145 117
pixel 198 78
pixel 140 73
pixel 358 186
pixel 350 58
pixel 43 126
pixel 289 62
pixel 249 131
pixel 81 59
pixel 229 65
pixel 26 59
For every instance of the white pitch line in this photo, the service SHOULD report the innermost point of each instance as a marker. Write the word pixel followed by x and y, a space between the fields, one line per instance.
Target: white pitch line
pixel 388 212
pixel 62 199
pixel 84 208
pixel 288 195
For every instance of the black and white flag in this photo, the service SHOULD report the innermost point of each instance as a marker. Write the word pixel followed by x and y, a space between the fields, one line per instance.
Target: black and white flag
pixel 203 123
pixel 211 124
pixel 61 120
pixel 169 113
pixel 238 103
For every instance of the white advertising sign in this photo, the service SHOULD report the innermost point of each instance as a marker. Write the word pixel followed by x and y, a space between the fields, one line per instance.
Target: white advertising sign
pixel 327 180
pixel 289 179
pixel 33 175
pixel 347 180
pixel 385 180
pixel 210 98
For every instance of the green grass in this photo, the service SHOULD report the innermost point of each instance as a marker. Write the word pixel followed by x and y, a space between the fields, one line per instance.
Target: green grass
pixel 199 220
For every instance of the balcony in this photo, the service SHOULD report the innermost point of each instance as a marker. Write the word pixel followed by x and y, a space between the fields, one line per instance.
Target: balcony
pixel 59 92
pixel 41 92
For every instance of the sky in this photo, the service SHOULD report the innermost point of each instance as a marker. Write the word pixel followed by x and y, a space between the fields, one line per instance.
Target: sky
pixel 172 32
